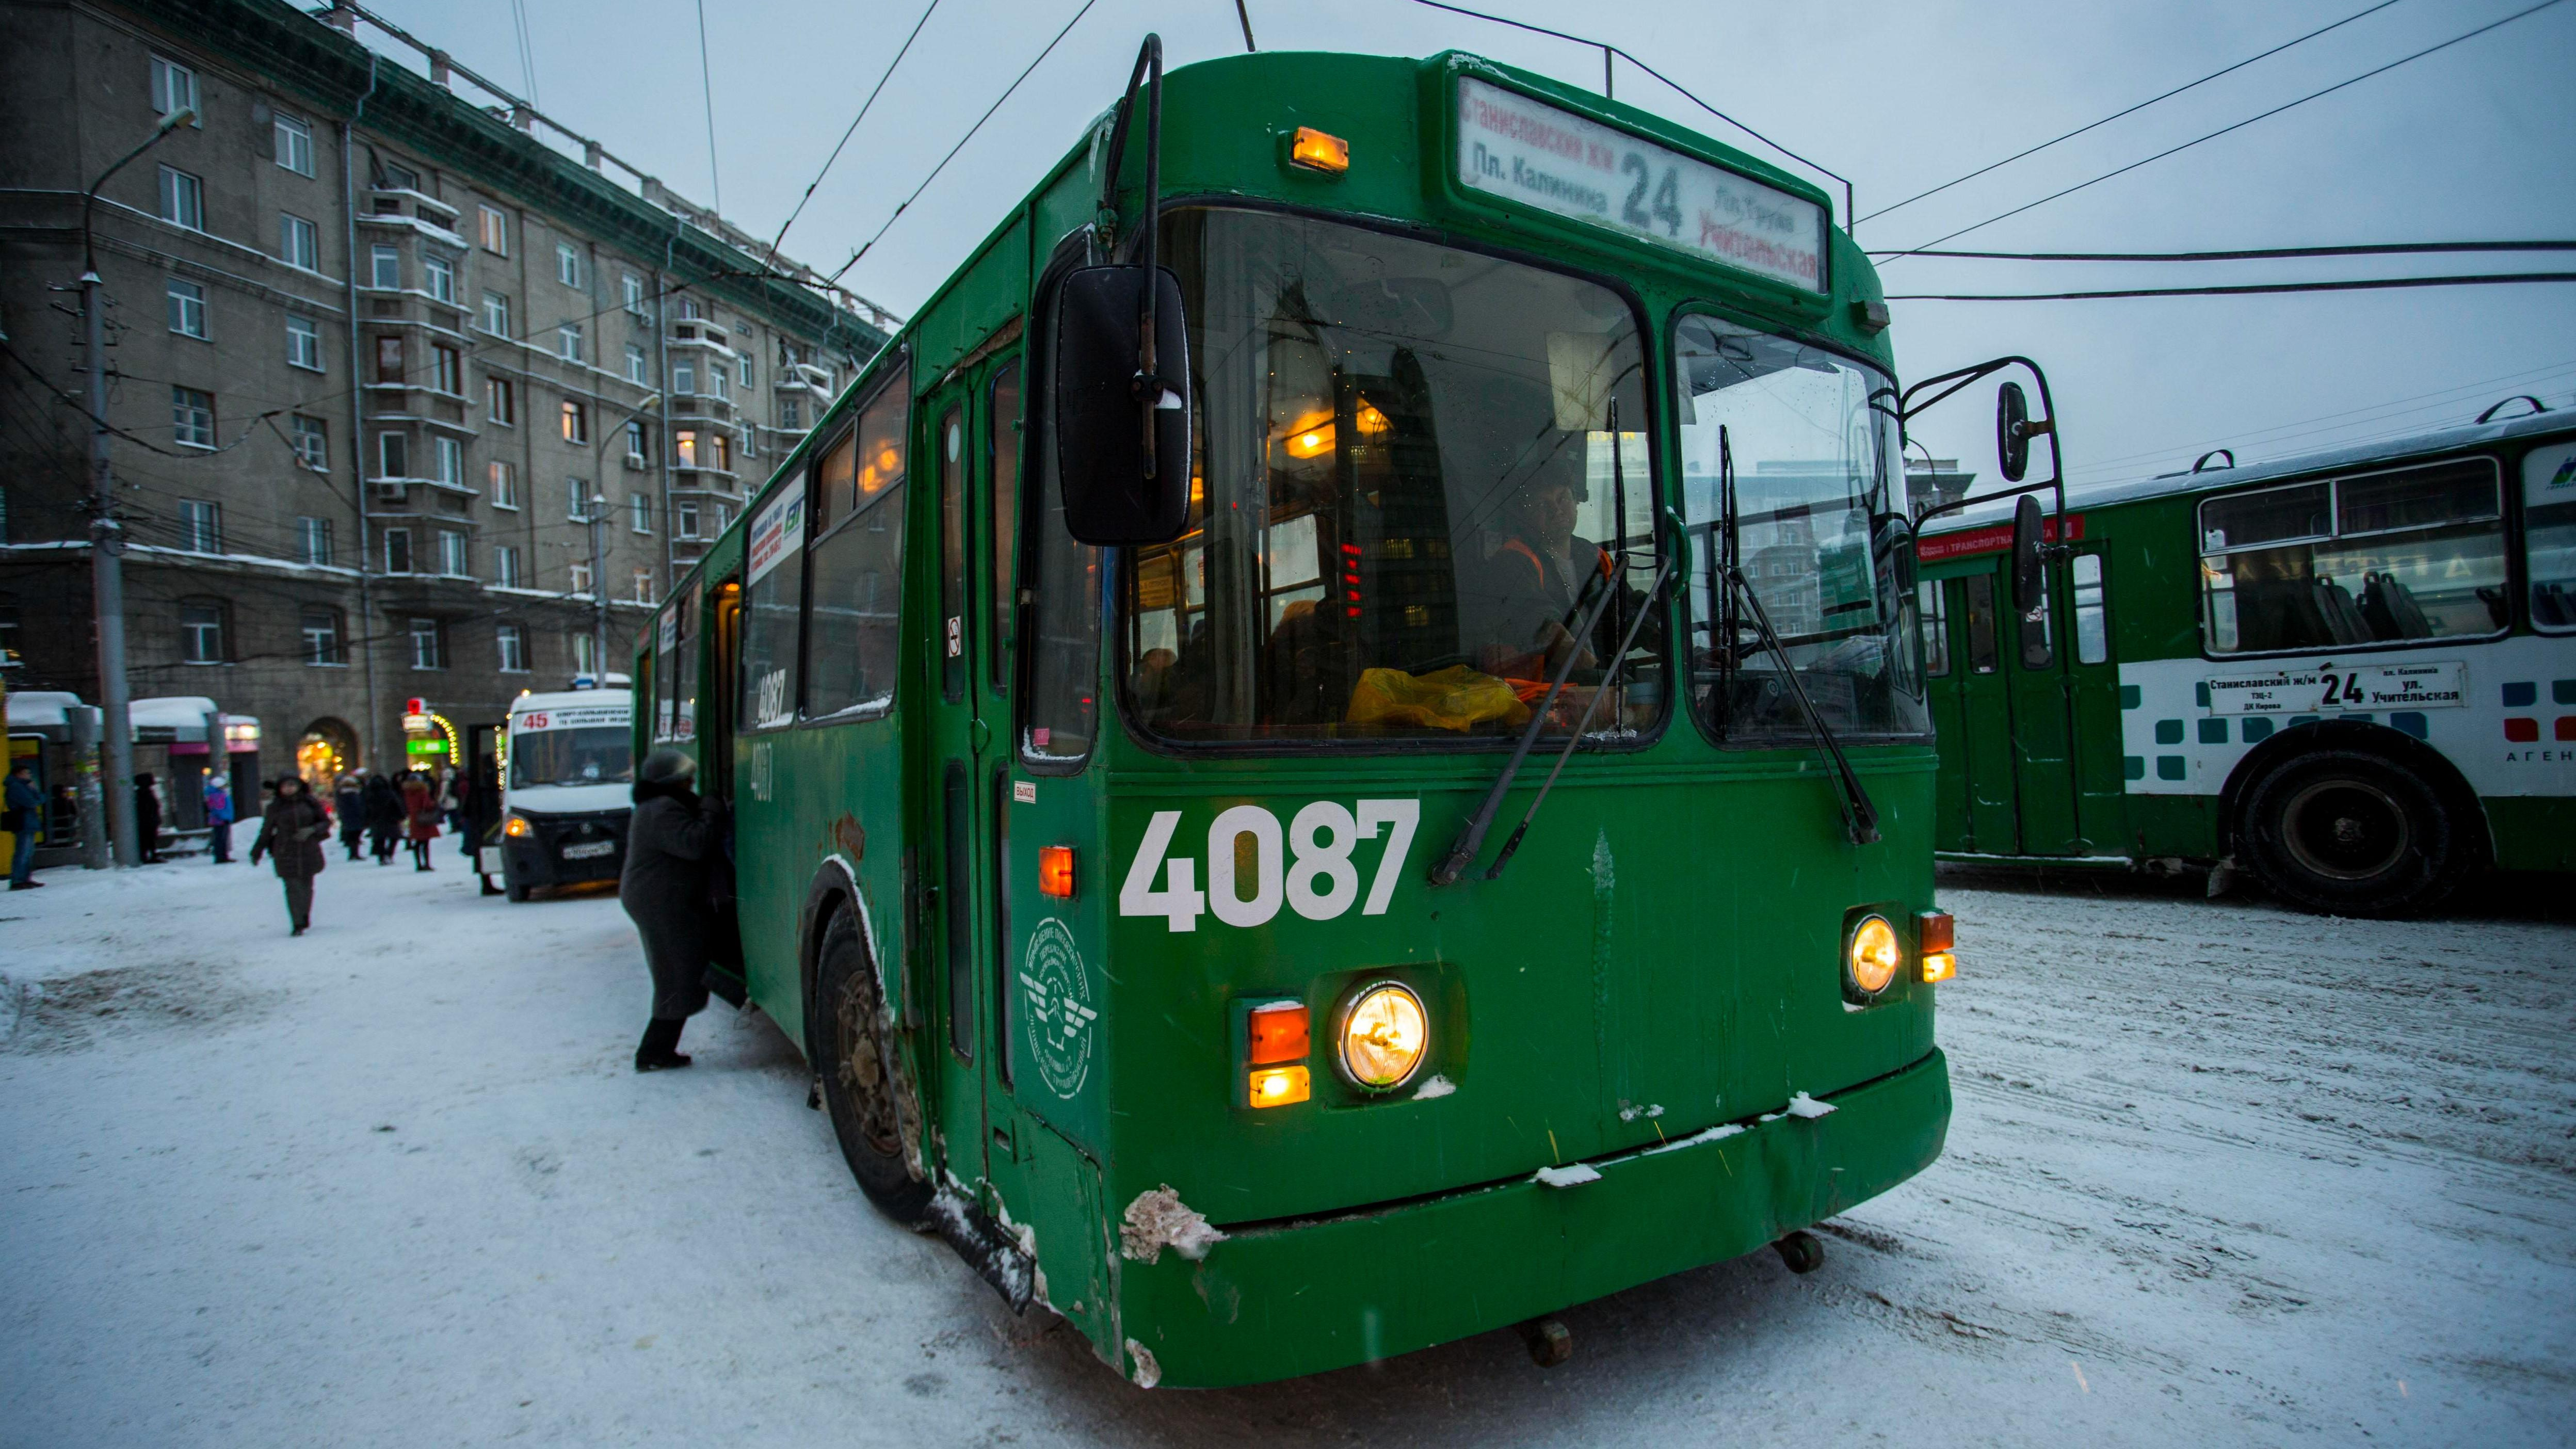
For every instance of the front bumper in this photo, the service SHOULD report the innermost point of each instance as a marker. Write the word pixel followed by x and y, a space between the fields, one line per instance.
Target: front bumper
pixel 1303 1297
pixel 537 859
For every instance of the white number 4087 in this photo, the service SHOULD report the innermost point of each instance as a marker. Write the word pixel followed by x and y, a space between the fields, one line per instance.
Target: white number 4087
pixel 1310 870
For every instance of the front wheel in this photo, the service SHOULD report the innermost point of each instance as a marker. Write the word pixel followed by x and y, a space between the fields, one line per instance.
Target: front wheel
pixel 864 1086
pixel 2350 833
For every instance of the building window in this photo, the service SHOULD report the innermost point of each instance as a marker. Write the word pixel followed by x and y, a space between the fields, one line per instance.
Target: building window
pixel 684 447
pixel 201 631
pixel 303 343
pixel 684 378
pixel 636 454
pixel 187 309
pixel 449 369
pixel 448 456
pixel 428 644
pixel 501 400
pixel 294 144
pixel 397 550
pixel 496 231
pixel 504 478
pixel 183 199
pixel 575 422
pixel 385 268
pixel 452 559
pixel 174 88
pixel 389 357
pixel 568 344
pixel 312 438
pixel 684 517
pixel 393 455
pixel 399 178
pixel 720 452
pixel 567 264
pixel 201 528
pixel 577 499
pixel 496 314
pixel 313 541
pixel 581 578
pixel 743 370
pixel 750 441
pixel 642 504
pixel 321 629
pixel 791 415
pixel 440 275
pixel 717 387
pixel 585 654
pixel 638 370
pixel 299 244
pixel 689 311
pixel 513 642
pixel 505 565
pixel 192 417
pixel 643 586
pixel 632 286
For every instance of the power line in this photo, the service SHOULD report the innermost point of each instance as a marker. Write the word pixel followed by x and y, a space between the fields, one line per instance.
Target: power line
pixel 853 128
pixel 2131 111
pixel 2373 249
pixel 2249 289
pixel 707 89
pixel 2223 130
pixel 962 140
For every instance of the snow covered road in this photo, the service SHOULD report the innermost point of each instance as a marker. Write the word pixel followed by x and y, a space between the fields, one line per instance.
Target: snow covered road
pixel 2219 1174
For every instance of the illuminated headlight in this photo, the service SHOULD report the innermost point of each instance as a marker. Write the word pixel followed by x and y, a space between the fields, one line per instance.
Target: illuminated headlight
pixel 1873 956
pixel 1384 1034
pixel 517 827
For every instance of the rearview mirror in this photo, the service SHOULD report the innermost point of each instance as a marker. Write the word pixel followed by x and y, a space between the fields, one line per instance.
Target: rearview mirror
pixel 2028 525
pixel 1123 457
pixel 2012 432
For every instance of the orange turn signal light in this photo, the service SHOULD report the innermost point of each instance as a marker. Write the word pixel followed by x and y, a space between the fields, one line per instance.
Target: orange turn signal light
pixel 1319 151
pixel 1279 1086
pixel 1934 931
pixel 1055 871
pixel 1939 966
pixel 1278 1033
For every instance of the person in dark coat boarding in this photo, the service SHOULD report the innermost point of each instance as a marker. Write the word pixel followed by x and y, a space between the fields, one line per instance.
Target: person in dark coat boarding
pixel 291 832
pixel 670 842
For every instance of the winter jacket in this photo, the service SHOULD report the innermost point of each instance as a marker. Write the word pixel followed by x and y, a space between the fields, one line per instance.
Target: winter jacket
pixel 420 809
pixel 26 806
pixel 219 805
pixel 664 888
pixel 384 807
pixel 291 831
pixel 352 805
pixel 147 817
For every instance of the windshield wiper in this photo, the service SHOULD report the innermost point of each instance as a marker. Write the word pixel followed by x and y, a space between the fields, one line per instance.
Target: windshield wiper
pixel 1860 817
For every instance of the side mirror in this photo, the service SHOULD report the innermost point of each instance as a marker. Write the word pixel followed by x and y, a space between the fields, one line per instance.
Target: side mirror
pixel 2027 580
pixel 1122 455
pixel 1896 541
pixel 2012 432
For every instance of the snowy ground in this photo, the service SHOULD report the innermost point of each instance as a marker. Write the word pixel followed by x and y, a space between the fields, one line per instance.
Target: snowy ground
pixel 2219 1174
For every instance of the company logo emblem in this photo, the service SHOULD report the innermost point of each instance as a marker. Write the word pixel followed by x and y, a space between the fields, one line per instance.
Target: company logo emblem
pixel 1060 1013
pixel 2565 477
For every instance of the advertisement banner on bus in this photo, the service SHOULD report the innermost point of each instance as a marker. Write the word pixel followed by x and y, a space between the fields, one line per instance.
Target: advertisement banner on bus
pixel 778 531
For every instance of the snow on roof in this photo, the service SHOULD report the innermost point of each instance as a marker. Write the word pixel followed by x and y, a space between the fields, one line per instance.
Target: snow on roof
pixel 40 708
pixel 2441 440
pixel 575 699
pixel 172 711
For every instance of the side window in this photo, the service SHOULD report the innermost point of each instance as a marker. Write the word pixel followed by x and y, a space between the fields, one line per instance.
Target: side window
pixel 1935 618
pixel 2038 650
pixel 855 560
pixel 2415 553
pixel 2549 536
pixel 1981 623
pixel 1002 442
pixel 773 599
pixel 1062 712
pixel 951 442
pixel 2092 622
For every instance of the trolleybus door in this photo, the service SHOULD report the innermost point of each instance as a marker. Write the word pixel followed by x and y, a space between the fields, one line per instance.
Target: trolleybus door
pixel 1985 716
pixel 2043 757
pixel 721 618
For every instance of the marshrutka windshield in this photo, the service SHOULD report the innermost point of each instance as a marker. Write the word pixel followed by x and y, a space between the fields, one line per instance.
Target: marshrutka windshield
pixel 588 755
pixel 1404 501
pixel 1820 519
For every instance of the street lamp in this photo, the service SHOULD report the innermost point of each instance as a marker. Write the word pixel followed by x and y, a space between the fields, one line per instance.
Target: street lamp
pixel 593 509
pixel 107 544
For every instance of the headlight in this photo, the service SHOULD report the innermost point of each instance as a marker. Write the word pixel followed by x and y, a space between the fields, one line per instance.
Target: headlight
pixel 1874 956
pixel 517 827
pixel 1383 1037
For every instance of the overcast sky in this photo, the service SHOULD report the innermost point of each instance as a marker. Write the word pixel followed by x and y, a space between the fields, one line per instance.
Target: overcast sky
pixel 2477 142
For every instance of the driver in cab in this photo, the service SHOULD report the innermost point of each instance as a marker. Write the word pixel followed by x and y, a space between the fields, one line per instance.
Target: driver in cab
pixel 1539 582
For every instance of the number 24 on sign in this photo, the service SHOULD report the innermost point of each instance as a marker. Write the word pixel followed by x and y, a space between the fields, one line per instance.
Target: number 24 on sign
pixel 1308 867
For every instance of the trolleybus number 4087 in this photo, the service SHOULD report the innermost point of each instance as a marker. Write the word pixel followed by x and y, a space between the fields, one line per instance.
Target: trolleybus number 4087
pixel 1320 883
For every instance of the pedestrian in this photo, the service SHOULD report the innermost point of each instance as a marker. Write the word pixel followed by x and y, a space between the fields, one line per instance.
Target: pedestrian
pixel 291 832
pixel 384 818
pixel 219 820
pixel 669 840
pixel 147 821
pixel 351 803
pixel 25 815
pixel 420 817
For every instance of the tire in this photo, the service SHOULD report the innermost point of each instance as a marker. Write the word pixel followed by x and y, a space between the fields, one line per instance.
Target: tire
pixel 517 893
pixel 2350 833
pixel 865 1088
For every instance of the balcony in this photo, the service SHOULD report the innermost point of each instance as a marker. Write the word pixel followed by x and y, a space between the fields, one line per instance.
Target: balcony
pixel 701 335
pixel 397 208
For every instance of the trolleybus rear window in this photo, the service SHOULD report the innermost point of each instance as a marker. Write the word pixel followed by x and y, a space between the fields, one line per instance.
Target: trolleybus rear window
pixel 2383 558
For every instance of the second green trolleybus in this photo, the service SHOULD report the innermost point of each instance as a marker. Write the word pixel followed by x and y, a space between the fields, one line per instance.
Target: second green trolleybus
pixel 1113 692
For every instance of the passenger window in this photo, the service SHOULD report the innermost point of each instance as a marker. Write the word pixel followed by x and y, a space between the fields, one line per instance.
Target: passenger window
pixel 2092 626
pixel 2549 536
pixel 774 591
pixel 675 671
pixel 1002 444
pixel 1935 617
pixel 952 555
pixel 1981 623
pixel 2037 648
pixel 1062 711
pixel 856 561
pixel 2388 557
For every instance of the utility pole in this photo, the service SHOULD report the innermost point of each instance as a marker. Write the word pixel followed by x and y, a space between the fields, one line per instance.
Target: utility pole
pixel 106 535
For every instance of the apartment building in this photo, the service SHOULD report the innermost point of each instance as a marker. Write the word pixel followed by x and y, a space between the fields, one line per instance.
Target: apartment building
pixel 417 393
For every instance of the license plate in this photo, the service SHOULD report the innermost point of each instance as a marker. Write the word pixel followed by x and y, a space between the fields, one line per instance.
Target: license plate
pixel 592 851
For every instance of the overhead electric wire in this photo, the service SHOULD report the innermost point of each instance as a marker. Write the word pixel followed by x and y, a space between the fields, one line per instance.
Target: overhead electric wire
pixel 2221 131
pixel 961 142
pixel 2371 249
pixel 2249 289
pixel 853 127
pixel 2131 111
pixel 707 89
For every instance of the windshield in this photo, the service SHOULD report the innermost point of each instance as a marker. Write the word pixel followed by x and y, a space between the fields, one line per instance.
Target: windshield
pixel 590 755
pixel 1820 523
pixel 1404 500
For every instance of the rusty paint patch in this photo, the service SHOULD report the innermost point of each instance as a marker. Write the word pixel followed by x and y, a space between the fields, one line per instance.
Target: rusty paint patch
pixel 850 837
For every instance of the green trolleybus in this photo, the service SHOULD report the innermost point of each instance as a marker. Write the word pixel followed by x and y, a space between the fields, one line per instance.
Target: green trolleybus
pixel 2352 673
pixel 1334 457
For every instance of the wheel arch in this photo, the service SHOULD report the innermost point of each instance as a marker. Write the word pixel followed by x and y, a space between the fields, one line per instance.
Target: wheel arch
pixel 2369 737
pixel 835 886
